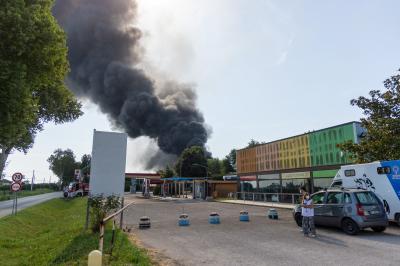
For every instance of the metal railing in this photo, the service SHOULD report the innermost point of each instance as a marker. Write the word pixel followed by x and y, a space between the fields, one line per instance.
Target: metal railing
pixel 292 198
pixel 103 225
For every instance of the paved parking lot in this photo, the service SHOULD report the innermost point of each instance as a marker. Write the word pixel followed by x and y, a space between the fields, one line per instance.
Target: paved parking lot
pixel 258 242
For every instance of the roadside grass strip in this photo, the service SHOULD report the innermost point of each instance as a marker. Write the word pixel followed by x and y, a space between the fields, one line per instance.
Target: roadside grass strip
pixel 52 233
pixel 6 195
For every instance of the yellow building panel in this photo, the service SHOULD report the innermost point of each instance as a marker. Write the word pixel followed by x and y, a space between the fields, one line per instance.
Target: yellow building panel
pixel 246 160
pixel 294 152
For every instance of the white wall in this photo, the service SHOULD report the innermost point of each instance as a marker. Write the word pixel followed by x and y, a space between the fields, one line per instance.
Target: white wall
pixel 107 172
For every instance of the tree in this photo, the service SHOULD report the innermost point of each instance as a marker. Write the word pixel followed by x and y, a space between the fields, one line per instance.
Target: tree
pixel 63 165
pixel 382 124
pixel 253 143
pixel 85 167
pixel 192 162
pixel 214 167
pixel 33 65
pixel 167 172
pixel 227 166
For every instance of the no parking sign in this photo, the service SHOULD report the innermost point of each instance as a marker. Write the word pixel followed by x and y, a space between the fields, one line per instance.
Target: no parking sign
pixel 15 187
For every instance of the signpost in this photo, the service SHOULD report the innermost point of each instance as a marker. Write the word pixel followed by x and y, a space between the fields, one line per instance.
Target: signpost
pixel 16 186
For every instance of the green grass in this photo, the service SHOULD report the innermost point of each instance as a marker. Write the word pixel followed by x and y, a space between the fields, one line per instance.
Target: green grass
pixel 7 195
pixel 52 234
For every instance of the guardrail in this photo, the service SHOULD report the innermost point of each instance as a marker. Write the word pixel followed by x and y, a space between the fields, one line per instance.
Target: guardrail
pixel 103 225
pixel 292 198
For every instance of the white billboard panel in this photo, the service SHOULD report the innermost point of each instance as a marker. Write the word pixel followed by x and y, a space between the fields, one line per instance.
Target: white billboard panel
pixel 107 170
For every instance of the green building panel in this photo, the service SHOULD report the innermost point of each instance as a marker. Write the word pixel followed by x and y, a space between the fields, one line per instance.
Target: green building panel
pixel 323 149
pixel 325 173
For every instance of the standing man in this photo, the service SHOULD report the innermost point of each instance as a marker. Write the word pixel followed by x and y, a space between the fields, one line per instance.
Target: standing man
pixel 307 211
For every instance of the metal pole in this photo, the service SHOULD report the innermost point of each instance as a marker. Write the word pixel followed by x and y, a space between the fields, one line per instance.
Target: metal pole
pixel 122 213
pixel 13 208
pixel 16 203
pixel 87 214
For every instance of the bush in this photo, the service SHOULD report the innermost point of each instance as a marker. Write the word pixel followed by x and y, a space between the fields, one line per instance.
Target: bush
pixel 101 207
pixel 157 191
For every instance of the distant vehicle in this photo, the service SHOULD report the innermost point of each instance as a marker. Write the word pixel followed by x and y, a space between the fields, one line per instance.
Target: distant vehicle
pixel 349 209
pixel 383 178
pixel 76 189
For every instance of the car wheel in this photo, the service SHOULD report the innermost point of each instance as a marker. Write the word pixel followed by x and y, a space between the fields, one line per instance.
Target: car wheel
pixel 350 227
pixel 65 194
pixel 79 194
pixel 298 219
pixel 378 229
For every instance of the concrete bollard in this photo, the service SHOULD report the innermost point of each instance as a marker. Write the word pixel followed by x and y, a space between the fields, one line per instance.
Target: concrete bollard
pixel 272 214
pixel 244 216
pixel 95 258
pixel 213 218
pixel 183 220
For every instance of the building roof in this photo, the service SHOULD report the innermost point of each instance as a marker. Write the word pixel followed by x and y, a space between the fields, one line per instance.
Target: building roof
pixel 299 135
pixel 143 175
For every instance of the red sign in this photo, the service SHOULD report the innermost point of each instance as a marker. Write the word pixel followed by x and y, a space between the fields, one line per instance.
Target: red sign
pixel 248 178
pixel 17 177
pixel 15 187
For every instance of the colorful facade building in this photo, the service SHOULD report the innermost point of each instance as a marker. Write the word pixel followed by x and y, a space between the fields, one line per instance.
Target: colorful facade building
pixel 311 160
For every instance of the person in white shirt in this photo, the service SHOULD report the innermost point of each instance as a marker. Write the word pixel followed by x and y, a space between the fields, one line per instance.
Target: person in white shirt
pixel 307 211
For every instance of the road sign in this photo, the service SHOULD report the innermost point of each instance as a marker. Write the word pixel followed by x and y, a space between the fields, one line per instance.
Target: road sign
pixel 15 187
pixel 17 177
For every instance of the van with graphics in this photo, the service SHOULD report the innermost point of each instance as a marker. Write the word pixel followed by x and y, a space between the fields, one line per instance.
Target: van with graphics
pixel 382 177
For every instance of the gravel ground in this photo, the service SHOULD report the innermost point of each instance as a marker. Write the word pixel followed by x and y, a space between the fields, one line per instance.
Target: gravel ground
pixel 258 242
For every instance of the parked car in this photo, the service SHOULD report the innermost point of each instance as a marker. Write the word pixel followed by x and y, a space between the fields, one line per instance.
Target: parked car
pixel 349 209
pixel 380 177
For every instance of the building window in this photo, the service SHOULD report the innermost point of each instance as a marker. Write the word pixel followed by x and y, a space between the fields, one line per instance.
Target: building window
pixel 383 170
pixel 350 172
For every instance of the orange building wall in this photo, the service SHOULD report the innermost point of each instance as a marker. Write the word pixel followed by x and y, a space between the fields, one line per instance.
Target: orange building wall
pixel 267 157
pixel 246 160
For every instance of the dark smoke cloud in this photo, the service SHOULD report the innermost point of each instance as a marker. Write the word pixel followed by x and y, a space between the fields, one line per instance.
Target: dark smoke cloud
pixel 104 57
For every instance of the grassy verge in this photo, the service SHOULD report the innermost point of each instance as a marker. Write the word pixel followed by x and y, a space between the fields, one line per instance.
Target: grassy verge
pixel 6 195
pixel 52 234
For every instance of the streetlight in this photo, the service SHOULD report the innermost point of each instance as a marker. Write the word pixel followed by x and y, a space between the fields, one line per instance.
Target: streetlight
pixel 205 182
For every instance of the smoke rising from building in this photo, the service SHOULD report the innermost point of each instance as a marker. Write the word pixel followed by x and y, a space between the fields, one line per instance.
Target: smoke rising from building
pixel 104 55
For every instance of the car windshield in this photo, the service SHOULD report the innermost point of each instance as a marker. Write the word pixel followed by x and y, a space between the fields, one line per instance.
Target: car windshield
pixel 366 197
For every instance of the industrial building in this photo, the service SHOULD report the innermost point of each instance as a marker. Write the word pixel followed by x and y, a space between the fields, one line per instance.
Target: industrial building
pixel 311 160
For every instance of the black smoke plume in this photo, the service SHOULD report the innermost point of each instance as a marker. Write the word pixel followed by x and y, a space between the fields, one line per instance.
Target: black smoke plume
pixel 104 56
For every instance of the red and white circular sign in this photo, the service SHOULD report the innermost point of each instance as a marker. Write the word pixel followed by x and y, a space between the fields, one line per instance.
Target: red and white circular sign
pixel 15 187
pixel 17 177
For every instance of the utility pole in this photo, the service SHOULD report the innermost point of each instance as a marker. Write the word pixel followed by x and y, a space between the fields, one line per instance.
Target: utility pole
pixel 33 178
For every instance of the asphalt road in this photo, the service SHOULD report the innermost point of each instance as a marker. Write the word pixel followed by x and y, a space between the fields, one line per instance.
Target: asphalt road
pixel 258 242
pixel 6 206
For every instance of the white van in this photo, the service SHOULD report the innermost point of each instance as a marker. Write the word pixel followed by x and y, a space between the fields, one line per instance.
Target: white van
pixel 382 177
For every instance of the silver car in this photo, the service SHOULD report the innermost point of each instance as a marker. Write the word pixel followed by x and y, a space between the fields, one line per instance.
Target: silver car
pixel 350 209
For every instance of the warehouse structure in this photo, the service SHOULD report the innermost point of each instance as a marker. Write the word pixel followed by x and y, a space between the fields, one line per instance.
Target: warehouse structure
pixel 283 166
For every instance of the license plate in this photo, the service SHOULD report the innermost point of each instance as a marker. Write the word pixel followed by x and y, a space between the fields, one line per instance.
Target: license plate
pixel 374 212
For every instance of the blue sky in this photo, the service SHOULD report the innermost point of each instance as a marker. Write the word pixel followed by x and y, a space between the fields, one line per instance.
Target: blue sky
pixel 262 69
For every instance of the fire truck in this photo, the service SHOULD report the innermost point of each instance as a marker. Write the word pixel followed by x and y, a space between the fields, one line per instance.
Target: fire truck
pixel 76 189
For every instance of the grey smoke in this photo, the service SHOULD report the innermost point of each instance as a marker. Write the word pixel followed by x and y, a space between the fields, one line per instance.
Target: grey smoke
pixel 104 56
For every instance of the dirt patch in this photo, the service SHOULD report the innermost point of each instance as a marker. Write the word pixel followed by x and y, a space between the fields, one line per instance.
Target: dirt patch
pixel 157 257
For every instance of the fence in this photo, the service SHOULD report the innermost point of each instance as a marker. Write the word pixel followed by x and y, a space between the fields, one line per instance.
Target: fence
pixel 103 225
pixel 292 198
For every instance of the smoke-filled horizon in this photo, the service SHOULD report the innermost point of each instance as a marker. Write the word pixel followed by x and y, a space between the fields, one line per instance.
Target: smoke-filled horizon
pixel 104 56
